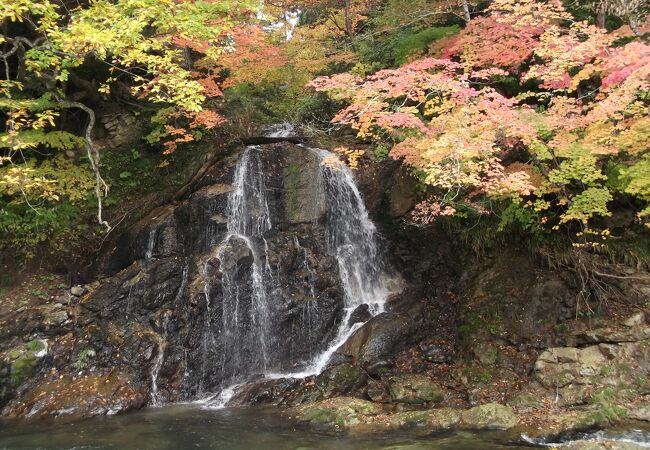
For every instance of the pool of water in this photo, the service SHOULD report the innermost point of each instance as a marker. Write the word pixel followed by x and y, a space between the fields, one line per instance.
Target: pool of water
pixel 188 427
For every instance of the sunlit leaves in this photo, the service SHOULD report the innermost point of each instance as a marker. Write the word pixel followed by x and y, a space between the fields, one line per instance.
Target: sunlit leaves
pixel 542 150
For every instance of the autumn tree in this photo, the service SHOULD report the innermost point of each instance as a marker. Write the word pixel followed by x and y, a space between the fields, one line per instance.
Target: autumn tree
pixel 47 51
pixel 527 116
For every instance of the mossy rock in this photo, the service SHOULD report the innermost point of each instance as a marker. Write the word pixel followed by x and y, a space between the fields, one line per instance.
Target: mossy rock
pixel 67 396
pixel 340 379
pixel 491 416
pixel 414 389
pixel 340 412
pixel 432 419
pixel 23 360
pixel 524 401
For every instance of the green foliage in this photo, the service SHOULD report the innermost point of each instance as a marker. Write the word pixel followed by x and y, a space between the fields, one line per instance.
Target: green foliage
pixel 517 214
pixel 411 44
pixel 580 166
pixel 35 345
pixel 25 229
pixel 23 368
pixel 56 140
pixel 587 204
pixel 605 400
pixel 83 358
pixel 381 152
pixel 636 179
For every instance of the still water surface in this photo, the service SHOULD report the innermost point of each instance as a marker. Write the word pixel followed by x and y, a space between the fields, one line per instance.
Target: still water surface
pixel 185 427
pixel 190 427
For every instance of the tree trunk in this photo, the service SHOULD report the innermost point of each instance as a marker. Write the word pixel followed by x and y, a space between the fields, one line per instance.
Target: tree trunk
pixel 466 13
pixel 602 13
pixel 348 18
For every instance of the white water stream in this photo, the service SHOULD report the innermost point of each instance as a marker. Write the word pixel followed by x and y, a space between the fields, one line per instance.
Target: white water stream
pixel 351 239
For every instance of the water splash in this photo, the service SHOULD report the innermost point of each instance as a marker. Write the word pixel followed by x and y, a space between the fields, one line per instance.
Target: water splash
pixel 160 358
pixel 151 243
pixel 352 240
pixel 640 438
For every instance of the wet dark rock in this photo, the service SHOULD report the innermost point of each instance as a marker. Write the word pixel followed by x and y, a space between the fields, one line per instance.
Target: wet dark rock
pixel 164 282
pixel 340 379
pixel 436 352
pixel 79 397
pixel 360 315
pixel 377 391
pixel 375 344
pixel 402 193
pixel 486 353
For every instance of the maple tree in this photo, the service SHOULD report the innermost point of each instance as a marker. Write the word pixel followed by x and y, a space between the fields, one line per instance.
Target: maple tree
pixel 519 117
pixel 147 47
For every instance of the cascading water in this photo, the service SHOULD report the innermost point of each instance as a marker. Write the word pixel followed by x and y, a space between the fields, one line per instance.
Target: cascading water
pixel 151 242
pixel 352 239
pixel 246 326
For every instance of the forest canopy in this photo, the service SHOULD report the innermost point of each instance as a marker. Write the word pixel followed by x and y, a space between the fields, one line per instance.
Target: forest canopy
pixel 533 113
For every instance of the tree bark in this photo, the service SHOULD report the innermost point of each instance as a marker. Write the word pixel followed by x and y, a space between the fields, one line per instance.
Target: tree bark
pixel 466 13
pixel 101 189
pixel 348 18
pixel 602 13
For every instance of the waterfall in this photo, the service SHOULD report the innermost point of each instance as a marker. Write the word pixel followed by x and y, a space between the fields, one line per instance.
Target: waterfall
pixel 246 327
pixel 160 358
pixel 151 242
pixel 352 239
pixel 245 334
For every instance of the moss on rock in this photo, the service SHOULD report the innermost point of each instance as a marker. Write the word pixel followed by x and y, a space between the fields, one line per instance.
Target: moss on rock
pixel 340 412
pixel 414 389
pixel 491 416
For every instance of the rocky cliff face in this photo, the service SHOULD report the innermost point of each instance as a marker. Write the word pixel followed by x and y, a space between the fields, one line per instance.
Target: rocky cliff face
pixel 159 315
pixel 175 316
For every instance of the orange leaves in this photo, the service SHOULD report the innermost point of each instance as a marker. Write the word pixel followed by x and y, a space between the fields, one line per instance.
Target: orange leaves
pixel 206 119
pixel 253 57
pixel 478 48
pixel 201 46
pixel 210 86
pixel 178 135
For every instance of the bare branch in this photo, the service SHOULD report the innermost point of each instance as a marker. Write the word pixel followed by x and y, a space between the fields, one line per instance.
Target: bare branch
pixel 101 188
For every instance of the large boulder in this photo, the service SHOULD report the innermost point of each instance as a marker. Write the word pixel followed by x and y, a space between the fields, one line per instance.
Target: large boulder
pixel 375 345
pixel 80 397
pixel 491 416
pixel 340 379
pixel 340 412
pixel 414 389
